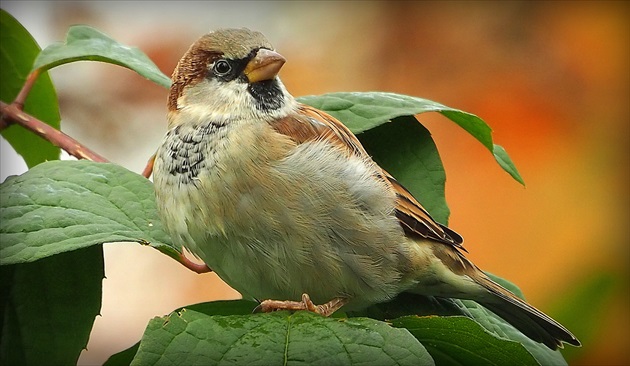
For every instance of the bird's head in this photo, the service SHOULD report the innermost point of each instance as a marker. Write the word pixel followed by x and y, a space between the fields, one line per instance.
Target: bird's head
pixel 229 74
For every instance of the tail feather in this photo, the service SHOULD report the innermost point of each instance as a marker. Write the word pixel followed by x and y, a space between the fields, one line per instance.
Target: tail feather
pixel 530 321
pixel 454 274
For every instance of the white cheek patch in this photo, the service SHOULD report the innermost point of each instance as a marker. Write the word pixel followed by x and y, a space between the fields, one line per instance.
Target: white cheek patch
pixel 213 100
pixel 228 101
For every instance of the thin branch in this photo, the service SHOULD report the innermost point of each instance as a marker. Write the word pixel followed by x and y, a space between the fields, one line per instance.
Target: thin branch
pixel 28 85
pixel 193 266
pixel 12 113
pixel 4 122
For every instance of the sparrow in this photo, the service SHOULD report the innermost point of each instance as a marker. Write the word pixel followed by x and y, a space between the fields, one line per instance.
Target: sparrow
pixel 282 201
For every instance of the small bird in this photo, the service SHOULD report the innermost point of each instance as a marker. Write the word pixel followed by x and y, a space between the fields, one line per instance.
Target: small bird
pixel 282 201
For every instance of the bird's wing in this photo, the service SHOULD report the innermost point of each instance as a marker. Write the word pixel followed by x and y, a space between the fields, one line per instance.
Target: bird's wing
pixel 313 124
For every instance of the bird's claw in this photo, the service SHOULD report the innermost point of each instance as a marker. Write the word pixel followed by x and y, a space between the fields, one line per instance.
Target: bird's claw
pixel 326 309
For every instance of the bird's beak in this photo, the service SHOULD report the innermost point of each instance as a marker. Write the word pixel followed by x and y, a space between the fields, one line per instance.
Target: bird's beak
pixel 264 66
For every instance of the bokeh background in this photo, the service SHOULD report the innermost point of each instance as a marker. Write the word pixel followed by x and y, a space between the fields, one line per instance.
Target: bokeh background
pixel 551 78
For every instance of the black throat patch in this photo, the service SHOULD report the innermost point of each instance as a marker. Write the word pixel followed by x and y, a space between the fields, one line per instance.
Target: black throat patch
pixel 267 94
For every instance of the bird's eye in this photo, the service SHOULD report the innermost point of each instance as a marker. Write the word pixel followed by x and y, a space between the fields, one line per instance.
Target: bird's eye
pixel 222 67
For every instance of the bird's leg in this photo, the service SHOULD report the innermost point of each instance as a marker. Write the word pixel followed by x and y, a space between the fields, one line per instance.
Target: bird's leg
pixel 306 304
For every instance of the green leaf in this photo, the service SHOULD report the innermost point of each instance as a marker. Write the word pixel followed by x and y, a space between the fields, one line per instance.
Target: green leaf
pixel 18 49
pixel 61 206
pixel 501 328
pixel 49 306
pixel 504 160
pixel 406 150
pixel 405 304
pixel 225 307
pixel 189 337
pixel 458 340
pixel 364 111
pixel 84 43
pixel 123 358
pixel 436 338
pixel 507 284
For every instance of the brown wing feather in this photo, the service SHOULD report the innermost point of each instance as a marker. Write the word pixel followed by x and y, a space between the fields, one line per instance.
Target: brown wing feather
pixel 313 124
pixel 416 220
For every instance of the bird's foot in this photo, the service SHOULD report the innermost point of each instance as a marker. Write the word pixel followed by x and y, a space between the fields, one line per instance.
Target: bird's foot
pixel 326 309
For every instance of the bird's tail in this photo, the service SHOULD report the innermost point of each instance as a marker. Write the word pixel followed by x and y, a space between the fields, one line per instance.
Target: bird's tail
pixel 530 321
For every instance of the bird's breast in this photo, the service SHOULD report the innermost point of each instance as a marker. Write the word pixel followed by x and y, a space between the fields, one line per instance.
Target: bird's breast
pixel 210 177
pixel 189 150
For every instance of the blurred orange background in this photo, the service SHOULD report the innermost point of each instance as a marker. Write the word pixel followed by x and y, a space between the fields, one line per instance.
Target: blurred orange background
pixel 551 78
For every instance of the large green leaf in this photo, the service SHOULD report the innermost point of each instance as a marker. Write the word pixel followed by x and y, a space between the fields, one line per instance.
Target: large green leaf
pixel 189 337
pixel 449 338
pixel 18 49
pixel 84 43
pixel 61 206
pixel 364 111
pixel 406 150
pixel 458 340
pixel 49 307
